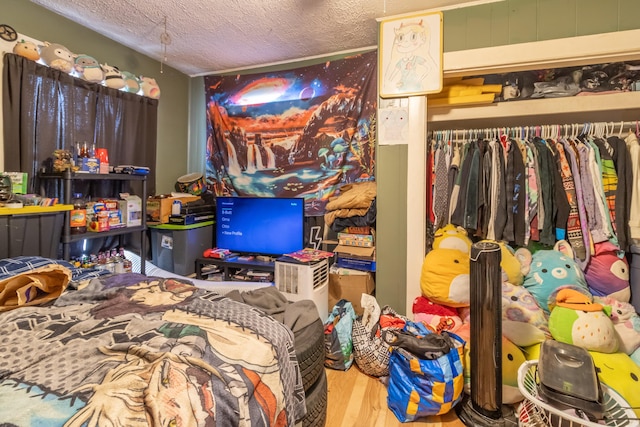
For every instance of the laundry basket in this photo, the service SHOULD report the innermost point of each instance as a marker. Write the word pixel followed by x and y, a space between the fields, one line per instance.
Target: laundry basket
pixel 534 412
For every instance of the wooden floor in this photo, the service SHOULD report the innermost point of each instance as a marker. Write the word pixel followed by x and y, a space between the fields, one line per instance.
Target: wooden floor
pixel 358 400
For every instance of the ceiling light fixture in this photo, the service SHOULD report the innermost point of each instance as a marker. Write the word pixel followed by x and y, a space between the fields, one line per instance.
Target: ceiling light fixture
pixel 165 40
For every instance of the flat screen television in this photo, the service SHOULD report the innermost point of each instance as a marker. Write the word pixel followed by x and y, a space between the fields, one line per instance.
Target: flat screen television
pixel 260 225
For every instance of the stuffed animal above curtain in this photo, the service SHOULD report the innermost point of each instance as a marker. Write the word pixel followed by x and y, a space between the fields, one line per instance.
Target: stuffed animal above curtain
pixel 295 133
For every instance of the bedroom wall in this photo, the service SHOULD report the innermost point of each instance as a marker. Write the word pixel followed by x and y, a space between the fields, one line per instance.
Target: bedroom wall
pixel 173 112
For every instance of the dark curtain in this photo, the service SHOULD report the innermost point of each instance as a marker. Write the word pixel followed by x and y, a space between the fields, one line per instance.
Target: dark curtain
pixel 45 109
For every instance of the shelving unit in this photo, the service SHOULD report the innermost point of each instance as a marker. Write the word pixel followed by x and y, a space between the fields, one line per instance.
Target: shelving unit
pixel 229 267
pixel 67 238
pixel 614 107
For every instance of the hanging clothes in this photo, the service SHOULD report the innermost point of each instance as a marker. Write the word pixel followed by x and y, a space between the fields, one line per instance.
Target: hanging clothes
pixel 624 191
pixel 634 210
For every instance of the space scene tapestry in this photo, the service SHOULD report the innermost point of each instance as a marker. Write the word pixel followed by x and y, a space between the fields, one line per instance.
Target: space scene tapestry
pixel 296 133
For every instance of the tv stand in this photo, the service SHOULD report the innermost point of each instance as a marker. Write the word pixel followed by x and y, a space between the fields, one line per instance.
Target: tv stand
pixel 231 267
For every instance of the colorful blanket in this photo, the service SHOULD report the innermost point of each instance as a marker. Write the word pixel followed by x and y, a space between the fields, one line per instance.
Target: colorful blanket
pixel 131 350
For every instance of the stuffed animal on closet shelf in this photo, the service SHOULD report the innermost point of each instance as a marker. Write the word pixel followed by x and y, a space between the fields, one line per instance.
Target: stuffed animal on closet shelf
pixel 549 271
pixel 445 277
pixel 57 56
pixel 621 374
pixel 625 321
pixel 88 68
pixel 27 49
pixel 523 321
pixel 112 77
pixel 150 88
pixel 577 320
pixel 607 273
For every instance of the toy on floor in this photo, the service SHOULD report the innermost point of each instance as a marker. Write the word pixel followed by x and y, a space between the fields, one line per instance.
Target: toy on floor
pixel 576 320
pixel 607 273
pixel 626 323
pixel 550 271
pixel 445 277
pixel 620 373
pixel 523 321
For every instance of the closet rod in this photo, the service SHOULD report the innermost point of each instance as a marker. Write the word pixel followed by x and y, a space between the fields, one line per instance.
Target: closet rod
pixel 543 131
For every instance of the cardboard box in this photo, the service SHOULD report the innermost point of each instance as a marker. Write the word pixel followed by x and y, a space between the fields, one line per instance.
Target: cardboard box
pixel 159 207
pixel 355 257
pixel 19 181
pixel 350 287
pixel 131 209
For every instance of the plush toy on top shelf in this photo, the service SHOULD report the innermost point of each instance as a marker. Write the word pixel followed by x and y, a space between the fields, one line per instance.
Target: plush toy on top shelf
pixel 27 49
pixel 88 68
pixel 131 82
pixel 112 77
pixel 57 56
pixel 150 88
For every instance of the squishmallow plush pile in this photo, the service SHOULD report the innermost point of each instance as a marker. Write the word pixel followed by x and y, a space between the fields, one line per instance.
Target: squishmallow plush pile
pixel 619 372
pixel 445 277
pixel 549 272
pixel 625 321
pixel 577 320
pixel 607 273
pixel 523 321
pixel 452 237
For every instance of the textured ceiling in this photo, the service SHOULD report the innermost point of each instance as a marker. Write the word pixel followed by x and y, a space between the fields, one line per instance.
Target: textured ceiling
pixel 209 36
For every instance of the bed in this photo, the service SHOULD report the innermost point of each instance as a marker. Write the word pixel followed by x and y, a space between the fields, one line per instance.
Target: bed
pixel 82 347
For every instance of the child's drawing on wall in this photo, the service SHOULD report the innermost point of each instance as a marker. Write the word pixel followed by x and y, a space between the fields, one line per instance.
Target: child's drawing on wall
pixel 411 56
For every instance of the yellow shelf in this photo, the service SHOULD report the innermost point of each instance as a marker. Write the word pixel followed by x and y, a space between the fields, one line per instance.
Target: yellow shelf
pixel 35 210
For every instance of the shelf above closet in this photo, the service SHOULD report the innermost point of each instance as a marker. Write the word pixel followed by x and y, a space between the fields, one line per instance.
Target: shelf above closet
pixel 614 107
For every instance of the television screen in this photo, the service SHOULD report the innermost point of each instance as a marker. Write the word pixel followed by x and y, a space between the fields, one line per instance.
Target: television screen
pixel 260 225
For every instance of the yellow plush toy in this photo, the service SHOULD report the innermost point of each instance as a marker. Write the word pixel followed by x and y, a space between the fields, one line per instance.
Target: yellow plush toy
pixel 452 237
pixel 445 277
pixel 620 373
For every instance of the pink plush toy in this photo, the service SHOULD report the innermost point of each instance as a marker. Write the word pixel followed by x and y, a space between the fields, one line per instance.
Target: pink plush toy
pixel 626 322
pixel 607 273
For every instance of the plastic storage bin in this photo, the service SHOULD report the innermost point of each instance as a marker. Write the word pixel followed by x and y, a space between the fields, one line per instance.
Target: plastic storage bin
pixel 33 231
pixel 175 247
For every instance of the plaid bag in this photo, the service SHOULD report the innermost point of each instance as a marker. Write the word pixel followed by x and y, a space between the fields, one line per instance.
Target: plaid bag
pixel 421 387
pixel 371 352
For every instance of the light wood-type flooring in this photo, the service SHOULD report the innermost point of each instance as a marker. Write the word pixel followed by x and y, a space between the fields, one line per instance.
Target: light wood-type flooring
pixel 358 400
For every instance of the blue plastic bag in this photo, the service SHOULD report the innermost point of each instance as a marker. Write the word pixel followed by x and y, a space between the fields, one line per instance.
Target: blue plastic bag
pixel 421 387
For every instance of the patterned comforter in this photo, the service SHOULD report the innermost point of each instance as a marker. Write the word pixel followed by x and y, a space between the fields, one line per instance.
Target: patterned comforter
pixel 130 350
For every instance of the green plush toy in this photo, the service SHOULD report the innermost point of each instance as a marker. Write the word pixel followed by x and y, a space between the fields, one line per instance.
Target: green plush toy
pixel 577 320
